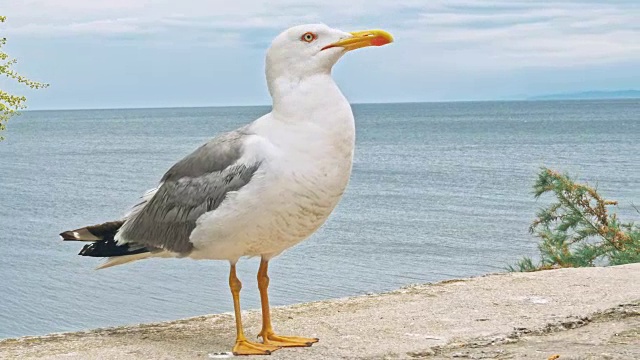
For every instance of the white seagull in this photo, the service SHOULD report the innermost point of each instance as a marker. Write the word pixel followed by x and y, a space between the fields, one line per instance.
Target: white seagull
pixel 257 190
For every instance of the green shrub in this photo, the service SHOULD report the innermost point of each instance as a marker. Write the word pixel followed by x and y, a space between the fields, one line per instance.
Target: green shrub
pixel 577 230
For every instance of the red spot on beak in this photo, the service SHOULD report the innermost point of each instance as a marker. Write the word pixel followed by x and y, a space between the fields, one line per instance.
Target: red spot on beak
pixel 379 41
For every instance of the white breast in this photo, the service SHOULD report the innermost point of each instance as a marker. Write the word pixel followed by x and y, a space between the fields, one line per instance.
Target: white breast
pixel 306 165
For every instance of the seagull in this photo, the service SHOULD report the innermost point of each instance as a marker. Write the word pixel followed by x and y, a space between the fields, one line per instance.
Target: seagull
pixel 257 190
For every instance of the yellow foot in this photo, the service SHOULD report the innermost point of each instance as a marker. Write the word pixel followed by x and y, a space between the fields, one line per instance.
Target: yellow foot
pixel 245 347
pixel 287 341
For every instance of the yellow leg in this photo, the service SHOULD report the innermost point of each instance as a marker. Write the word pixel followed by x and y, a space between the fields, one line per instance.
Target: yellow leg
pixel 267 333
pixel 242 346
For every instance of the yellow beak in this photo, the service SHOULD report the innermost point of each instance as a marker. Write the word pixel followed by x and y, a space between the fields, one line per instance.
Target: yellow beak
pixel 362 39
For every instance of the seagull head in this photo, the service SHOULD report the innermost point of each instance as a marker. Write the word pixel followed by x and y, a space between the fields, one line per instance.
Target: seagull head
pixel 307 50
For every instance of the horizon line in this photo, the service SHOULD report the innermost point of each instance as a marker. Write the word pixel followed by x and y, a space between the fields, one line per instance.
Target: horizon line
pixel 253 105
pixel 355 103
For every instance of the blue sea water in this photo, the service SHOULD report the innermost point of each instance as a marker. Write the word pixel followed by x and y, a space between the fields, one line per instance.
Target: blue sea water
pixel 439 190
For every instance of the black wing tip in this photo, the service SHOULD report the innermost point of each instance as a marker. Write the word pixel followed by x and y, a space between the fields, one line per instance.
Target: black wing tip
pixel 68 236
pixel 104 231
pixel 109 248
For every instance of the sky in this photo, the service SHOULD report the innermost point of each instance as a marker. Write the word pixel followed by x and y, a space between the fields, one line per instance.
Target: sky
pixel 162 53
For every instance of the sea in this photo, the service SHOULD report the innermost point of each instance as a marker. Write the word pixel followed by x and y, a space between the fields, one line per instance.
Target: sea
pixel 438 191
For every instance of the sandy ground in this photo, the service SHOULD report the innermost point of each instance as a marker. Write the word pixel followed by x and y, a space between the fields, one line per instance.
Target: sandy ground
pixel 589 313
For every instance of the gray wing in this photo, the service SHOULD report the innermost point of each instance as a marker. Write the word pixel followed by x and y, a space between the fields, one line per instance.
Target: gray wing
pixel 193 186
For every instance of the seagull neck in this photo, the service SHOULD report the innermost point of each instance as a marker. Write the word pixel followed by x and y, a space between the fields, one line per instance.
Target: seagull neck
pixel 299 97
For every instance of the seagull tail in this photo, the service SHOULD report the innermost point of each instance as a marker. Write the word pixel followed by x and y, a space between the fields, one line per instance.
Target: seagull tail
pixel 119 260
pixel 103 244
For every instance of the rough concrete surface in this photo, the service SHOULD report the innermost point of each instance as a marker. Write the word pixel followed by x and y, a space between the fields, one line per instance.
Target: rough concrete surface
pixel 588 313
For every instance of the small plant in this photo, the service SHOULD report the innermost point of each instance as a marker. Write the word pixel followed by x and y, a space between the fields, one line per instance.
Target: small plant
pixel 9 103
pixel 577 230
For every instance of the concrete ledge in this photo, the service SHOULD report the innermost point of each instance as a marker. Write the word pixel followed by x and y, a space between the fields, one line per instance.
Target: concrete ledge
pixel 574 313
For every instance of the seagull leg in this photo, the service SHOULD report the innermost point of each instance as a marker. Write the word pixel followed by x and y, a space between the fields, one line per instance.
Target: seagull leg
pixel 267 333
pixel 243 346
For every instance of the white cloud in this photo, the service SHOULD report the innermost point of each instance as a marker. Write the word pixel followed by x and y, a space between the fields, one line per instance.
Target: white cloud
pixel 494 33
pixel 523 33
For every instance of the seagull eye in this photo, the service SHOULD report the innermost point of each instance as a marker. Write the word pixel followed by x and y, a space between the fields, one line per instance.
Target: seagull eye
pixel 308 37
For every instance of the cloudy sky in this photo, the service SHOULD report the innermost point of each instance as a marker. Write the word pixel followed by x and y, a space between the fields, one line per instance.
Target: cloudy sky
pixel 148 53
